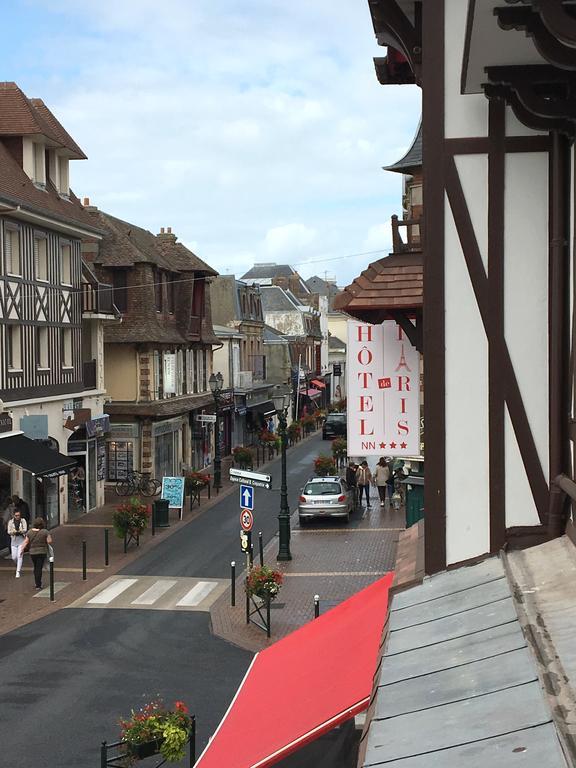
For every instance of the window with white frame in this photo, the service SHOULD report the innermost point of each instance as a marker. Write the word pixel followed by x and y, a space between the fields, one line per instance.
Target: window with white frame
pixel 41 257
pixel 39 163
pixel 14 347
pixel 66 263
pixel 157 361
pixel 13 264
pixel 179 372
pixel 67 348
pixel 63 177
pixel 42 359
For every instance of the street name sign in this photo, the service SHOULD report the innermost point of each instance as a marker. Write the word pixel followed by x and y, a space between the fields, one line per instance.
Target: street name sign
pixel 247 497
pixel 206 418
pixel 255 479
pixel 246 520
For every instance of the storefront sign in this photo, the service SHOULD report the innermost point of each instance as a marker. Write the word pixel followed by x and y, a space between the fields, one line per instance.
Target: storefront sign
pixel 169 373
pixel 173 491
pixel 6 423
pixel 337 369
pixel 383 385
pixel 97 426
pixel 35 427
pixel 165 427
pixel 206 418
pixel 72 405
pixel 128 431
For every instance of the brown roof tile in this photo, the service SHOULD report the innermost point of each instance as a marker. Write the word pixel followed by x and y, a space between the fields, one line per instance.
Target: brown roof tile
pixel 394 282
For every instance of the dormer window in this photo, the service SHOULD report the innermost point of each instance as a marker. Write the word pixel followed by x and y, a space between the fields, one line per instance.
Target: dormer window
pixel 39 158
pixel 63 178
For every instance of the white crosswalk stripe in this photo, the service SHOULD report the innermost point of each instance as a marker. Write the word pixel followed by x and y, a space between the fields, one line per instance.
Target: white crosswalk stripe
pixel 153 593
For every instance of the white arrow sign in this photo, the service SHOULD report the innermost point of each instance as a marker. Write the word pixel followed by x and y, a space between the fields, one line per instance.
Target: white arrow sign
pixel 246 497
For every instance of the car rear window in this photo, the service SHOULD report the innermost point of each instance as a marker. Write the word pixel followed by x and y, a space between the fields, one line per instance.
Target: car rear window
pixel 322 489
pixel 336 417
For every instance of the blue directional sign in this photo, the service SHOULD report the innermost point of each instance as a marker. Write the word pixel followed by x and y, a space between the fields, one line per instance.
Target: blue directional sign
pixel 247 497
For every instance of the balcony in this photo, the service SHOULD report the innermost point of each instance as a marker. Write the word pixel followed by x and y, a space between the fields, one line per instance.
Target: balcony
pixel 413 235
pixel 97 299
pixel 258 365
pixel 89 374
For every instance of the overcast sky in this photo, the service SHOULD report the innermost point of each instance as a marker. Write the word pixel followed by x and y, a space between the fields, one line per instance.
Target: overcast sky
pixel 256 129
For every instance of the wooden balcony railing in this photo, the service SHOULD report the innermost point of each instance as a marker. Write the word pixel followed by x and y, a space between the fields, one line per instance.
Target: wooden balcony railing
pixel 413 229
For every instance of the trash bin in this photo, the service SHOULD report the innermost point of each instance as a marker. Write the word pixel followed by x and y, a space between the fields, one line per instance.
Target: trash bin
pixel 161 512
pixel 414 499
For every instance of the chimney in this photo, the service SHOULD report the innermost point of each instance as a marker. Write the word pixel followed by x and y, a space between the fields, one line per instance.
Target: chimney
pixel 86 205
pixel 169 230
pixel 166 234
pixel 161 230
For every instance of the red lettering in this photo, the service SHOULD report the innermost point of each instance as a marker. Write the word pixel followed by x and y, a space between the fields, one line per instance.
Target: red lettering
pixel 365 356
pixel 403 383
pixel 363 428
pixel 363 377
pixel 403 401
pixel 402 362
pixel 366 400
pixel 403 428
pixel 400 336
pixel 367 329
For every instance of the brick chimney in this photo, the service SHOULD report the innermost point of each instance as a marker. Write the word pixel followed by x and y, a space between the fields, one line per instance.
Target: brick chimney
pixel 86 205
pixel 166 234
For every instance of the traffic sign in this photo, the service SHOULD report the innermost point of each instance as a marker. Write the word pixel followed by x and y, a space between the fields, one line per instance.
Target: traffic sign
pixel 246 520
pixel 255 479
pixel 247 497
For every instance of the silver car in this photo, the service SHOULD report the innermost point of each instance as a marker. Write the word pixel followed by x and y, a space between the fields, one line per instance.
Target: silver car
pixel 325 497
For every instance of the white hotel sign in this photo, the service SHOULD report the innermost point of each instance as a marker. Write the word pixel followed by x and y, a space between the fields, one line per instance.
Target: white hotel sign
pixel 383 391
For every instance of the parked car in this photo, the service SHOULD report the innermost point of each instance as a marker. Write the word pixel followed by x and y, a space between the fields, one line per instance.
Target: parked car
pixel 326 497
pixel 334 426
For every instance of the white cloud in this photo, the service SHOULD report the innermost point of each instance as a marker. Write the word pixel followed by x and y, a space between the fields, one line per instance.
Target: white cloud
pixel 228 124
pixel 379 237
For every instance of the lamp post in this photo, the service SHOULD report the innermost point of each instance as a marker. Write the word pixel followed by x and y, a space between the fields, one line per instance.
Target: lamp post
pixel 215 381
pixel 281 400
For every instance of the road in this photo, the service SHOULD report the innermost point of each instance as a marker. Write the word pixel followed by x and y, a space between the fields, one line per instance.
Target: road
pixel 65 680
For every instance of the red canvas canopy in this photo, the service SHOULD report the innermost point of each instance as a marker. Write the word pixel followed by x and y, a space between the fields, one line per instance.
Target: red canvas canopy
pixel 303 685
pixel 318 383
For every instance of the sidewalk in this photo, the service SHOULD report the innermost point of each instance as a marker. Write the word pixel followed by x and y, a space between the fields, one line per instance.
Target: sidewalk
pixel 333 563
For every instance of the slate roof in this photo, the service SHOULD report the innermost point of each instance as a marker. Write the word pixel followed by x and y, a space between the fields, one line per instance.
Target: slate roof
pixel 335 343
pixel 412 160
pixel 259 271
pixel 16 188
pixel 21 116
pixel 276 299
pixel 458 685
pixel 126 244
pixel 394 282
pixel 271 334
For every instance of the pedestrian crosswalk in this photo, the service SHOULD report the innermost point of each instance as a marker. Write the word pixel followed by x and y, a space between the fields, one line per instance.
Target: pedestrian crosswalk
pixel 153 593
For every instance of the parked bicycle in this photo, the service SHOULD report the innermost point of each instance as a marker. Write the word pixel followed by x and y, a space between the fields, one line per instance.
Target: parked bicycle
pixel 138 483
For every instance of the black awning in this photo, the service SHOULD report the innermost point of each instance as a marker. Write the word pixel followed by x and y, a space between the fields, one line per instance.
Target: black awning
pixel 266 409
pixel 34 457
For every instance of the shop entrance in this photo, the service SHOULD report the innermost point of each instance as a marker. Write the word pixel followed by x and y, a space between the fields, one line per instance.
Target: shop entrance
pixel 82 480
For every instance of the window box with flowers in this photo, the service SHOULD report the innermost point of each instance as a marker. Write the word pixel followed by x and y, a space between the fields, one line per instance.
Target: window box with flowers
pixel 294 431
pixel 243 457
pixel 154 730
pixel 130 519
pixel 308 423
pixel 194 482
pixel 324 466
pixel 264 582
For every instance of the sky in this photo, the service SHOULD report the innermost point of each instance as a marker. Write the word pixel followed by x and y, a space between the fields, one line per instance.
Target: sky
pixel 256 129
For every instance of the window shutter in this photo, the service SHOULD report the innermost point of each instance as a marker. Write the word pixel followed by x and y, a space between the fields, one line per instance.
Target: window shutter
pixel 36 258
pixel 8 249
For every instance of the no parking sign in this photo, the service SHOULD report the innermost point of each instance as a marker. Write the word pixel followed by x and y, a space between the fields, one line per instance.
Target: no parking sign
pixel 246 520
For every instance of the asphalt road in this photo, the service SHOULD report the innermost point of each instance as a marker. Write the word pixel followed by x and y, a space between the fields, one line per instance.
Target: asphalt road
pixel 65 680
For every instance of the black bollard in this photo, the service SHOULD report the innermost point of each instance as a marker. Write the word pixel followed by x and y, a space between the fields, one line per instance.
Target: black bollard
pixel 193 741
pixel 268 617
pixel 233 583
pixel 106 546
pixel 153 520
pixel 316 606
pixel 83 561
pixel 261 547
pixel 51 569
pixel 125 542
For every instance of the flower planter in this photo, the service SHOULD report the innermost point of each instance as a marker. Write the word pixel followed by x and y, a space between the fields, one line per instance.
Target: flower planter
pixel 145 749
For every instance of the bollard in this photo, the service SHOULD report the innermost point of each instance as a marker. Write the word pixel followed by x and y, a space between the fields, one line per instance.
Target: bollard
pixel 125 542
pixel 268 617
pixel 247 603
pixel 106 546
pixel 153 516
pixel 83 561
pixel 103 755
pixel 233 583
pixel 193 741
pixel 261 547
pixel 316 606
pixel 51 567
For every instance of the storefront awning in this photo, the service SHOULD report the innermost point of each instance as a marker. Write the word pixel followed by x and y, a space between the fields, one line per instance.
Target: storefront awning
pixel 310 392
pixel 304 685
pixel 266 409
pixel 318 383
pixel 34 457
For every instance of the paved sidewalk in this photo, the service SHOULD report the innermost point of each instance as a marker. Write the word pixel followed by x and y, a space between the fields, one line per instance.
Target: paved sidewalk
pixel 334 563
pixel 20 603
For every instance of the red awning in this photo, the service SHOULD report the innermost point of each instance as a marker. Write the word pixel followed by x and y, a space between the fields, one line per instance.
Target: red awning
pixel 310 392
pixel 304 685
pixel 318 383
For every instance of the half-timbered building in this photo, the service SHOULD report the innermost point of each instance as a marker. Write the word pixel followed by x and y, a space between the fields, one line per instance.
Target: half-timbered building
pixel 158 359
pixel 497 132
pixel 51 312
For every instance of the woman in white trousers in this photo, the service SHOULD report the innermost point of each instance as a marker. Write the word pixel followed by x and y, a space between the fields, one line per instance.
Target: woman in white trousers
pixel 17 529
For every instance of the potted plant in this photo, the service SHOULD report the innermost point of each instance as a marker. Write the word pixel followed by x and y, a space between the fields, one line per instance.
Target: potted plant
pixel 267 437
pixel 325 465
pixel 339 447
pixel 195 481
pixel 294 431
pixel 308 423
pixel 263 582
pixel 153 730
pixel 130 518
pixel 243 457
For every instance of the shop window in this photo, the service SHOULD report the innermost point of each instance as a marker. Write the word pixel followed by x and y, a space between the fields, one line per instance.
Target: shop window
pixel 119 459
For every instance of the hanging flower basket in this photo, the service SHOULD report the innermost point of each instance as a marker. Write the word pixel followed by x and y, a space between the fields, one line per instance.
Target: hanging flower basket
pixel 194 481
pixel 243 457
pixel 324 466
pixel 294 431
pixel 130 518
pixel 153 730
pixel 339 447
pixel 264 582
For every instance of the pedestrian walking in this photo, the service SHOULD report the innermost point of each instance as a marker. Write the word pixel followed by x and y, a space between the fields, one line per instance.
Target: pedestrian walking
pixel 351 480
pixel 363 479
pixel 381 477
pixel 38 542
pixel 17 528
pixel 22 505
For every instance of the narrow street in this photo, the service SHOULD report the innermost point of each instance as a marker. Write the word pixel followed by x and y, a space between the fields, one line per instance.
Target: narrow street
pixel 72 675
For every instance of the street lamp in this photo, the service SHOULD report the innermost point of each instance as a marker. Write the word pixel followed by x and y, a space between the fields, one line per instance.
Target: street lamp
pixel 281 399
pixel 215 382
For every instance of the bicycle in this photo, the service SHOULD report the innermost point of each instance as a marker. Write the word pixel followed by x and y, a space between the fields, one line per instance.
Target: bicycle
pixel 138 482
